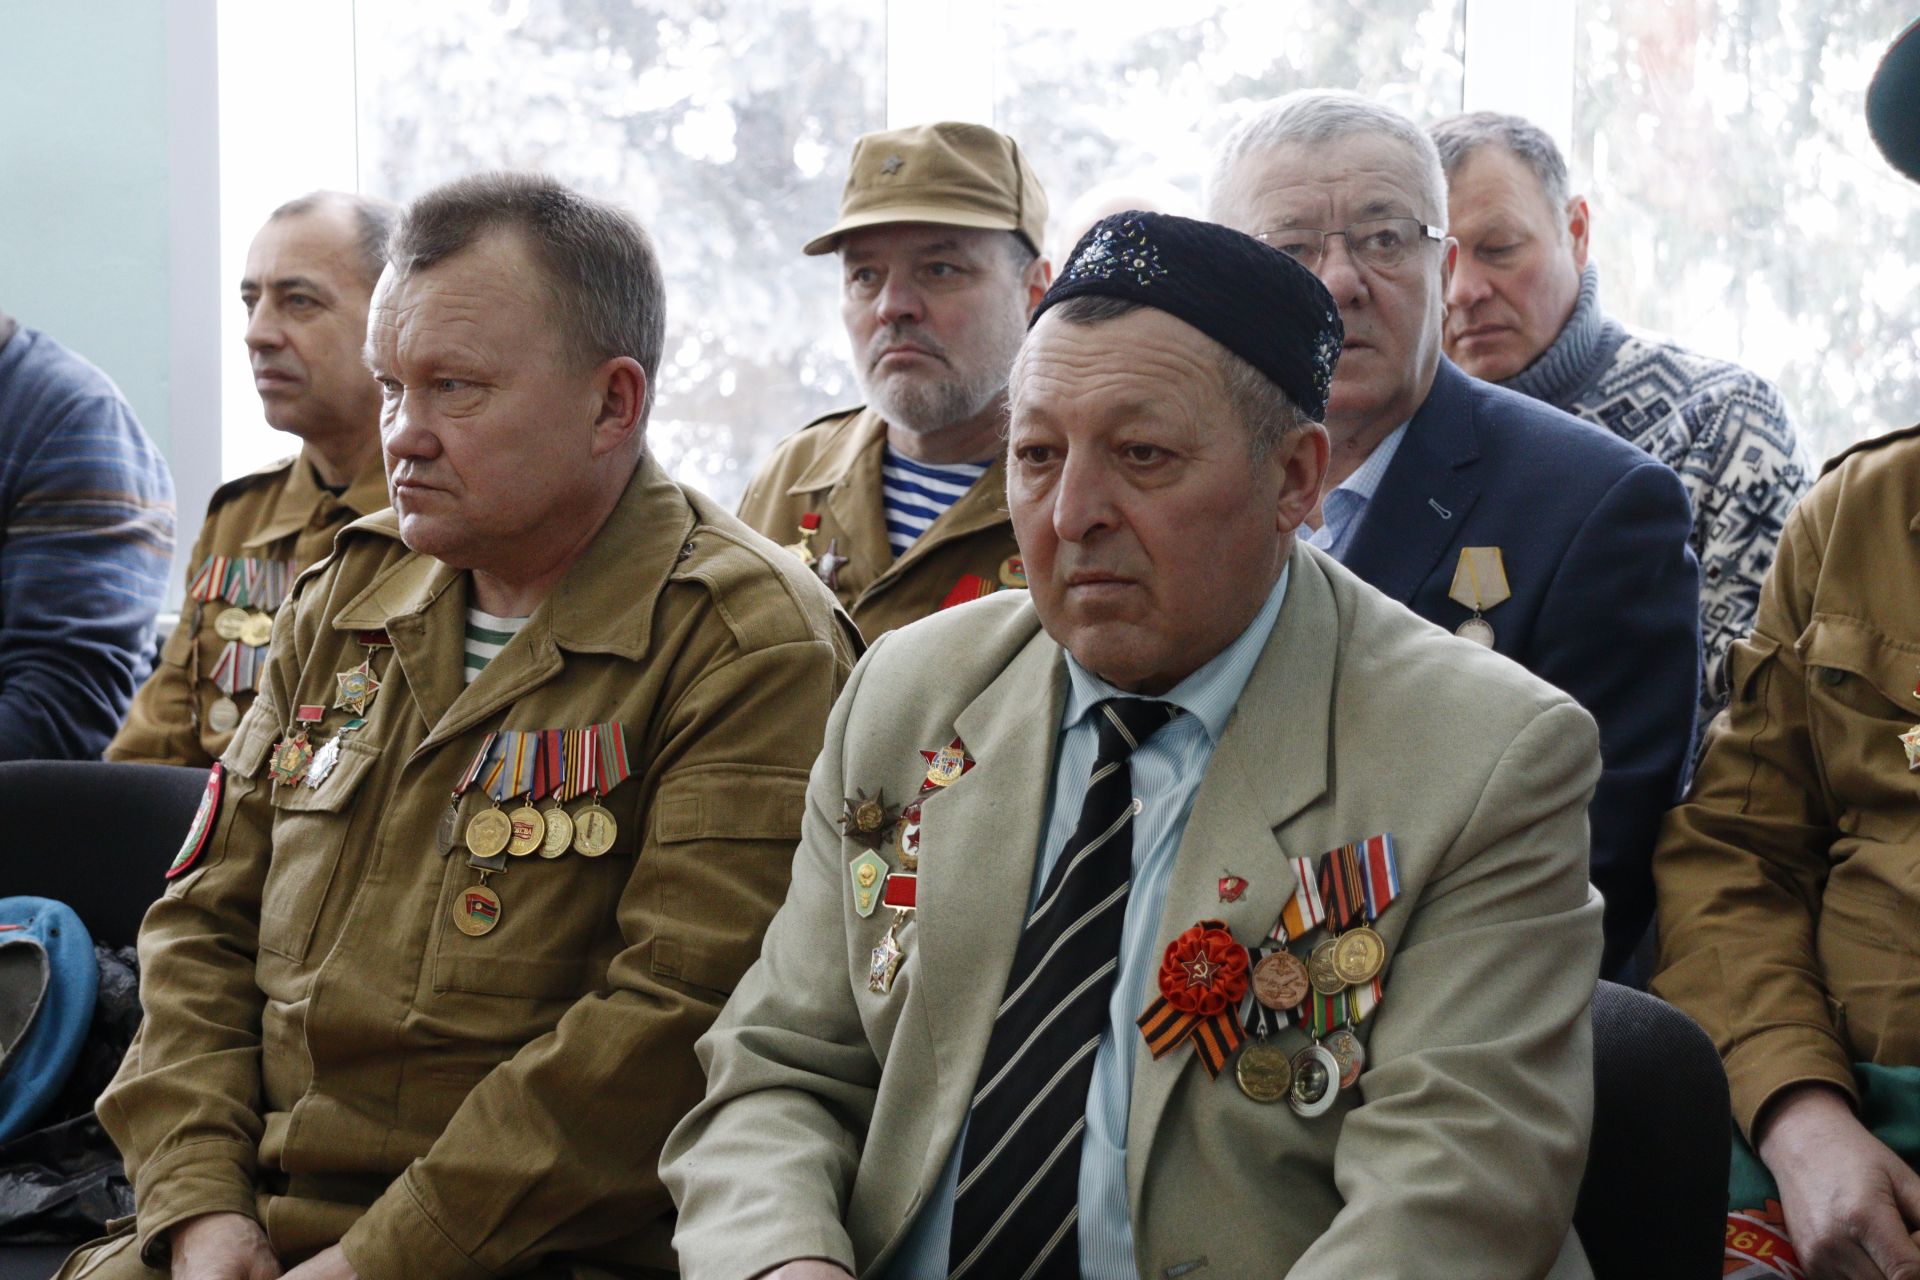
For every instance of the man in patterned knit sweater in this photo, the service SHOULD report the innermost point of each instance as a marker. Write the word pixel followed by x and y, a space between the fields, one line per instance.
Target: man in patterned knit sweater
pixel 1523 310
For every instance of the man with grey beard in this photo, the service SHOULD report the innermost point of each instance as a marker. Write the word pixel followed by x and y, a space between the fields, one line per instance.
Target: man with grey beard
pixel 900 505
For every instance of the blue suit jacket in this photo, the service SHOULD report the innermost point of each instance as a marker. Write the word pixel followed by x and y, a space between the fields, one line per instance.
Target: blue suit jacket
pixel 1606 592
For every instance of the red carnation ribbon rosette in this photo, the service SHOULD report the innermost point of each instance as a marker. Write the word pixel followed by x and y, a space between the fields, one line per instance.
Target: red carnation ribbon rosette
pixel 1203 978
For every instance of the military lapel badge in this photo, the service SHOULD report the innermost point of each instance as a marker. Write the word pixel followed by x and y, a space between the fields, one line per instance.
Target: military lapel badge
pixel 866 820
pixel 1479 583
pixel 947 765
pixel 829 565
pixel 809 525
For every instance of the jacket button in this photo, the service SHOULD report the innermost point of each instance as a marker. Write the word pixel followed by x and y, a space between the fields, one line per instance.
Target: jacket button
pixel 1832 675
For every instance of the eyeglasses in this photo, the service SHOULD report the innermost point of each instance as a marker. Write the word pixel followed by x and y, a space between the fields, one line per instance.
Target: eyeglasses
pixel 1379 243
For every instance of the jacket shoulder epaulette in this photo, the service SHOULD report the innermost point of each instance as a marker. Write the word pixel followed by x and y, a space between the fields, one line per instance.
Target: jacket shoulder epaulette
pixel 273 471
pixel 1871 444
pixel 762 590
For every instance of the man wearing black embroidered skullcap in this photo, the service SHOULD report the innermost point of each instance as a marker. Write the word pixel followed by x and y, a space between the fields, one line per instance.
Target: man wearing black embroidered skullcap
pixel 1205 841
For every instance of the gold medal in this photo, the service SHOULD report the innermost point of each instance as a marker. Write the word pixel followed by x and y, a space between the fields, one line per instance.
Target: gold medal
pixel 558 836
pixel 1316 1081
pixel 291 758
pixel 809 525
pixel 1348 1052
pixel 488 832
pixel 1280 981
pixel 529 831
pixel 1013 573
pixel 477 909
pixel 357 685
pixel 1264 1071
pixel 946 766
pixel 229 623
pixel 1358 956
pixel 257 630
pixel 224 715
pixel 1320 971
pixel 593 831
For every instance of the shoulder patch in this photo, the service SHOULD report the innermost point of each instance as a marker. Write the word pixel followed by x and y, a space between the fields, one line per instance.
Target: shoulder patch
pixel 253 479
pixel 201 829
pixel 1868 445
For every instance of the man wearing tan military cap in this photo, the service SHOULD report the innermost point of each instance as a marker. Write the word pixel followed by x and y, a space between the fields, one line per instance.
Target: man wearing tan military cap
pixel 900 506
pixel 506 822
pixel 309 277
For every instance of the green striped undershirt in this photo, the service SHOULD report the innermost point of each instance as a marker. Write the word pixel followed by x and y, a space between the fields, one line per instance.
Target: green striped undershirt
pixel 486 637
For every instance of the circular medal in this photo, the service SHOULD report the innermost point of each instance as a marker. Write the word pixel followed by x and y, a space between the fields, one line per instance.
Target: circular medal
pixel 1358 956
pixel 593 831
pixel 529 831
pixel 257 630
pixel 1316 1081
pixel 1264 1071
pixel 1013 573
pixel 906 838
pixel 1476 629
pixel 868 816
pixel 477 909
pixel 488 832
pixel 1348 1052
pixel 559 833
pixel 1320 971
pixel 449 825
pixel 229 623
pixel 223 715
pixel 1280 981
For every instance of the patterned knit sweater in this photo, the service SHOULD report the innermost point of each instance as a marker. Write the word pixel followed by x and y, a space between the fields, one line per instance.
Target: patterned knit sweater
pixel 1723 428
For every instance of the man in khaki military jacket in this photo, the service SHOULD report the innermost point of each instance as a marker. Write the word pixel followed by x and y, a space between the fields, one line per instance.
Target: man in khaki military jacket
pixel 309 276
pixel 900 507
pixel 1787 882
pixel 377 1041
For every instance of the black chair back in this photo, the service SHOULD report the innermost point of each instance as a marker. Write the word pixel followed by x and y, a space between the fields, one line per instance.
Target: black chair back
pixel 1653 1203
pixel 98 837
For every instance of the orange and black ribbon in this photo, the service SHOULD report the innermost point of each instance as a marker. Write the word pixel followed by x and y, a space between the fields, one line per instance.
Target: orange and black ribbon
pixel 1203 977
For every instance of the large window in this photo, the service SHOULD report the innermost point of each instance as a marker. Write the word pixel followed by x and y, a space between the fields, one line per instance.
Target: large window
pixel 1738 203
pixel 724 127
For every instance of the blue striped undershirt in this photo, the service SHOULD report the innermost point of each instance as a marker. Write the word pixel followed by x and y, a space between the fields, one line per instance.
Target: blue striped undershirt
pixel 916 494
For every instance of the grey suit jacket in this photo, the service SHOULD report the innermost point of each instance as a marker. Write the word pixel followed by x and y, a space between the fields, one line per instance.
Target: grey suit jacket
pixel 830 1110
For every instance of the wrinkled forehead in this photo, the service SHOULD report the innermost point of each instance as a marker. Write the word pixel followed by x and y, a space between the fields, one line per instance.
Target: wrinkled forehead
pixel 481 301
pixel 1326 184
pixel 1145 363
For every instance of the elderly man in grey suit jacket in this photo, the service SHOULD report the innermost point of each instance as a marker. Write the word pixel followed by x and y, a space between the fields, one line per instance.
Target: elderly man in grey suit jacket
pixel 1256 937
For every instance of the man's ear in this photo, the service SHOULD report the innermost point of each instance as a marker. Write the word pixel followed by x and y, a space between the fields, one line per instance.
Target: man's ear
pixel 1036 279
pixel 1302 458
pixel 620 392
pixel 1579 226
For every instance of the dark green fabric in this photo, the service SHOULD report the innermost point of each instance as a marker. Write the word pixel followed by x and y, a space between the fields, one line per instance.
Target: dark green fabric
pixel 1889 1107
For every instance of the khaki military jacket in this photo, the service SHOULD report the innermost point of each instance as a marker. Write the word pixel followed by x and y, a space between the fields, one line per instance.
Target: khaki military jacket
pixel 1789 881
pixel 278 513
pixel 831 467
pixel 325 1050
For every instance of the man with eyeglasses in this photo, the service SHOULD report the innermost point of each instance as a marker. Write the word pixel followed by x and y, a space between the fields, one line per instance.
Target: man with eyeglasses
pixel 1486 512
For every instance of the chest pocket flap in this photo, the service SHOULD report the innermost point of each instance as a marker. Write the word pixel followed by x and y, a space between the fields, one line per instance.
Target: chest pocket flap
pixel 251 742
pixel 1832 643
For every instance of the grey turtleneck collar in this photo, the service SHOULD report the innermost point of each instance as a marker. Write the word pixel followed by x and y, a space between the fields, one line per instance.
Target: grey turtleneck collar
pixel 1580 354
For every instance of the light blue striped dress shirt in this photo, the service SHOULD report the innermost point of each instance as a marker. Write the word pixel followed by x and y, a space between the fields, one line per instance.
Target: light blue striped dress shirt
pixel 1344 504
pixel 1166 773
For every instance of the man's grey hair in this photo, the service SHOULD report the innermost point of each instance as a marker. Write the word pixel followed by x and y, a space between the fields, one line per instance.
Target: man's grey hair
pixel 373 217
pixel 1262 407
pixel 1460 136
pixel 1314 116
pixel 603 277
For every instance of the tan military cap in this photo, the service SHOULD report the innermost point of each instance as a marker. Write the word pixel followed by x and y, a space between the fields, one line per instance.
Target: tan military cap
pixel 959 175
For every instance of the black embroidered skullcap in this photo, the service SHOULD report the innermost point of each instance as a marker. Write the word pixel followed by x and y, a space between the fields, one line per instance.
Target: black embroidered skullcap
pixel 1893 103
pixel 1247 296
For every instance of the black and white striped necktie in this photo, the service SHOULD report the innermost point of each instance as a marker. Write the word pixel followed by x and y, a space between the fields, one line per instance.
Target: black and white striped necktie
pixel 1017 1201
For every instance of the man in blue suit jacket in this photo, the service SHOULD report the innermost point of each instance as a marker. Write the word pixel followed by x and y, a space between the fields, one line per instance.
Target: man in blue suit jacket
pixel 1481 510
